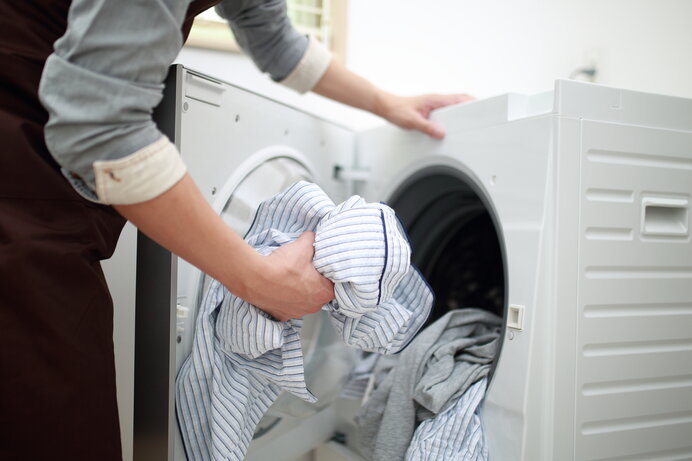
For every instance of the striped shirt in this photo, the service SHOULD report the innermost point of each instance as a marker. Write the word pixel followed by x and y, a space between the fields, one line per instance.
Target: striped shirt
pixel 456 434
pixel 242 359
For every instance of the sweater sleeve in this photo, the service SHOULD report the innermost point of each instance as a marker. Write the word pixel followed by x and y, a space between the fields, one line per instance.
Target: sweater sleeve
pixel 100 87
pixel 264 32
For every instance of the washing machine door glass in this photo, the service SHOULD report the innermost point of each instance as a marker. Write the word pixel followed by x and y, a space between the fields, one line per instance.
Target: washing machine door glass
pixel 327 361
pixel 265 181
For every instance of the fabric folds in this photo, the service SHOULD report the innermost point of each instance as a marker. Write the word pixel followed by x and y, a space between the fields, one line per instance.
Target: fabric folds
pixel 242 359
pixel 456 434
pixel 429 377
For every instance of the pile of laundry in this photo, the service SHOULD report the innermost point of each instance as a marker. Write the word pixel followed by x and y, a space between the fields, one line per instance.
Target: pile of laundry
pixel 425 403
pixel 242 359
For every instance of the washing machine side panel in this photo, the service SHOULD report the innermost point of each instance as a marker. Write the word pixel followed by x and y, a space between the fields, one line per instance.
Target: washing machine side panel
pixel 634 357
pixel 549 420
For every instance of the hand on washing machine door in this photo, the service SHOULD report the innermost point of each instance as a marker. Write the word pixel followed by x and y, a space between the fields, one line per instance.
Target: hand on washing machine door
pixel 291 287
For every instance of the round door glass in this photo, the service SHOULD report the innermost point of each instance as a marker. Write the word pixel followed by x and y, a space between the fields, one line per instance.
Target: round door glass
pixel 262 183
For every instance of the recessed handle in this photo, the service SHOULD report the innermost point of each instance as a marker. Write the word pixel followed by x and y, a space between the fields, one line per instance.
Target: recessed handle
pixel 204 90
pixel 665 216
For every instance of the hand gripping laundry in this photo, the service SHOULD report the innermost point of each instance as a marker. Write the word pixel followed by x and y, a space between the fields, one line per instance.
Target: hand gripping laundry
pixel 242 359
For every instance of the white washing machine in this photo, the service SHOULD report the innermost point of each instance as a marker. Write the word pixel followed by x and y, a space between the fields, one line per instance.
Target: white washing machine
pixel 565 212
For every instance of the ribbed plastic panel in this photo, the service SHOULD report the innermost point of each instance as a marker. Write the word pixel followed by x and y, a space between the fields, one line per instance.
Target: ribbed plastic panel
pixel 634 325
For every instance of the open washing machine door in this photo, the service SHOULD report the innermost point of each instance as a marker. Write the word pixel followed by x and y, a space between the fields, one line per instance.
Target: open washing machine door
pixel 241 148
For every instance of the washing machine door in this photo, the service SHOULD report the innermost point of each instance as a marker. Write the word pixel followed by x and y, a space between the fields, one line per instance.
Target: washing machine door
pixel 241 148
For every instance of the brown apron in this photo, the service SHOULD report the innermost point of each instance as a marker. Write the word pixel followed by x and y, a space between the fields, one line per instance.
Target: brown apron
pixel 57 372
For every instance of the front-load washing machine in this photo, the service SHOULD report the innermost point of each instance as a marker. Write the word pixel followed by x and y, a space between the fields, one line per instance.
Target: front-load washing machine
pixel 565 212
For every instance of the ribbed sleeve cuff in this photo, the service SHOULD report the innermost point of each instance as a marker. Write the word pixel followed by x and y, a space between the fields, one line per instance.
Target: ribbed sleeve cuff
pixel 140 176
pixel 310 68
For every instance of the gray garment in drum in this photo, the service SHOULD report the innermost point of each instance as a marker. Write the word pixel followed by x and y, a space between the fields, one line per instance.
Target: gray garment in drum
pixel 439 365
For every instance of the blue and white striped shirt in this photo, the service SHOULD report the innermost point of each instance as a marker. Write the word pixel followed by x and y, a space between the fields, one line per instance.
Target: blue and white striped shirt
pixel 242 359
pixel 455 434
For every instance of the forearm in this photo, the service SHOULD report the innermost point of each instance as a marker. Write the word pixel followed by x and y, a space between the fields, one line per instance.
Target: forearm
pixel 285 284
pixel 182 221
pixel 412 112
pixel 342 85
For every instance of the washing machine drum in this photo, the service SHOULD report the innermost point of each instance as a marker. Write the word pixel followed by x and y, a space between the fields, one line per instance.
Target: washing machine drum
pixel 327 361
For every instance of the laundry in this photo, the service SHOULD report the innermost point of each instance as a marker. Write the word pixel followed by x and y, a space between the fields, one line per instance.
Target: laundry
pixel 361 376
pixel 444 360
pixel 242 359
pixel 455 434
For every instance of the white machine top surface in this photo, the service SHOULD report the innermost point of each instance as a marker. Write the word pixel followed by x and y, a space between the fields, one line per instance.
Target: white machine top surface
pixel 575 99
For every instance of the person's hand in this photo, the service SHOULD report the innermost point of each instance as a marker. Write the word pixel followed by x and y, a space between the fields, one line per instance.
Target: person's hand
pixel 412 112
pixel 289 286
pixel 340 84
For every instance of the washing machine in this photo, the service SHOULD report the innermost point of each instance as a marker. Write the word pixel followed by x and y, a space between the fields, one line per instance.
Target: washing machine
pixel 564 212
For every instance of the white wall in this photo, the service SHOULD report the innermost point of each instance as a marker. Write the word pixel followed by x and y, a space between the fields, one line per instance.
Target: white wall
pixel 490 47
pixel 495 46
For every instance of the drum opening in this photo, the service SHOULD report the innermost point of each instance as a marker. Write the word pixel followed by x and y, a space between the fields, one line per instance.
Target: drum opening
pixel 456 241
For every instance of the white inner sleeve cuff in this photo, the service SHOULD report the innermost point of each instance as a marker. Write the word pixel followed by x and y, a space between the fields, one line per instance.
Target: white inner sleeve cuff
pixel 310 69
pixel 140 176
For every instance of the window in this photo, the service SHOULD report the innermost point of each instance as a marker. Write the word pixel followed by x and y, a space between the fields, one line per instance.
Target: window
pixel 323 19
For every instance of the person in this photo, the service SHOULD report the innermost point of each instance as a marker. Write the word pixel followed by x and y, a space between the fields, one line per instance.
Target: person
pixel 81 154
